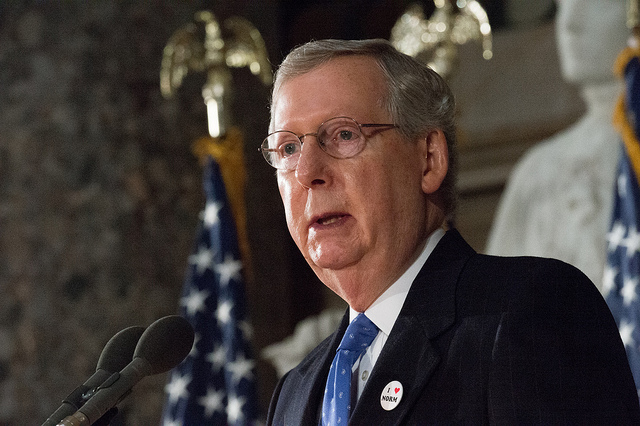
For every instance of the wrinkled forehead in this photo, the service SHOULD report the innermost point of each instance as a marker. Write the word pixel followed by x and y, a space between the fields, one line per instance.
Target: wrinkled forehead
pixel 352 86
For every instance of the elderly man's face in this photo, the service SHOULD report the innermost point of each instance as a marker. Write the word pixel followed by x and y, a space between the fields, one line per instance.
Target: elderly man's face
pixel 357 221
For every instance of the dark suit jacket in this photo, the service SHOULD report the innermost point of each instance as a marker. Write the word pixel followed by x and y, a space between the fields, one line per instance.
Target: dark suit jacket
pixel 484 340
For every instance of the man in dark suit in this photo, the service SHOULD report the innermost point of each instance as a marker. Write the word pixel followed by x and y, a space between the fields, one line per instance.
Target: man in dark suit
pixel 457 337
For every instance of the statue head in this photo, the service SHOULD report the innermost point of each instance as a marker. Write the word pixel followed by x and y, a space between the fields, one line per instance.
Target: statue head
pixel 590 35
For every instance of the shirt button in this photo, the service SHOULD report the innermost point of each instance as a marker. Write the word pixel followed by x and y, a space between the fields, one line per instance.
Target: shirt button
pixel 365 375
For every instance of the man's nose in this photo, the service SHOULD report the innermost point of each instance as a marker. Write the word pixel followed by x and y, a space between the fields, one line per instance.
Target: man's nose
pixel 312 167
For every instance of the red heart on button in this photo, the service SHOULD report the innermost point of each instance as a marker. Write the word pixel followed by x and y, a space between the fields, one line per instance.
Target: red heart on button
pixel 397 390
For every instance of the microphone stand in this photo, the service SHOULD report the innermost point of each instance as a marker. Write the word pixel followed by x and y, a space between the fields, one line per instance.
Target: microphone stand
pixel 106 417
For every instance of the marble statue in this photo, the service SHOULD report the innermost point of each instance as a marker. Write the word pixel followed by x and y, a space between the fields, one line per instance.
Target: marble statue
pixel 558 199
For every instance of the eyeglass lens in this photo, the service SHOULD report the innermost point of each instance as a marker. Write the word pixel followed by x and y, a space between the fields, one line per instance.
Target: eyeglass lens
pixel 339 137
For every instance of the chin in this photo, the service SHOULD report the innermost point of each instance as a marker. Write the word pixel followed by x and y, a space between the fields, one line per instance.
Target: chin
pixel 330 261
pixel 328 264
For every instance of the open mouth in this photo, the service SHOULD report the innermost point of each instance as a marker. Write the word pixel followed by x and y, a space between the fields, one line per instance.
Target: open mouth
pixel 330 219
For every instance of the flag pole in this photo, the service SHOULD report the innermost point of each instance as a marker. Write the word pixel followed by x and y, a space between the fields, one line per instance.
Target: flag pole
pixel 216 383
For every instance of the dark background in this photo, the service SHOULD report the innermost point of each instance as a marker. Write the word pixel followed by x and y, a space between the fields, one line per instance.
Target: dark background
pixel 100 193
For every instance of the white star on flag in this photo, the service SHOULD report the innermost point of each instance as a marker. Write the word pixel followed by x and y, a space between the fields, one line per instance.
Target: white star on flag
pixel 615 237
pixel 234 408
pixel 217 357
pixel 626 333
pixel 628 291
pixel 223 313
pixel 622 186
pixel 229 269
pixel 632 242
pixel 241 368
pixel 194 302
pixel 203 259
pixel 212 402
pixel 210 214
pixel 177 387
pixel 171 422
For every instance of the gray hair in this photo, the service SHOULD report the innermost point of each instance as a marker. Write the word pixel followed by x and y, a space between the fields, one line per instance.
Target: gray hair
pixel 418 99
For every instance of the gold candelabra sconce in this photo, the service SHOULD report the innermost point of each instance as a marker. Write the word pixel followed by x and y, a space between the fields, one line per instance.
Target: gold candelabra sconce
pixel 434 41
pixel 206 46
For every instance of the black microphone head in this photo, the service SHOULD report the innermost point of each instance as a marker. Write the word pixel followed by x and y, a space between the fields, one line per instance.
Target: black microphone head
pixel 165 343
pixel 118 352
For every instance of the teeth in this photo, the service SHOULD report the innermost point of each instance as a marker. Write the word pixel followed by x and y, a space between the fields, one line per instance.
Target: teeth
pixel 329 220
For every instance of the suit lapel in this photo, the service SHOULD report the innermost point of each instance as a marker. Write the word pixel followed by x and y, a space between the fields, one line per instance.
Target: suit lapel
pixel 410 355
pixel 312 375
pixel 392 366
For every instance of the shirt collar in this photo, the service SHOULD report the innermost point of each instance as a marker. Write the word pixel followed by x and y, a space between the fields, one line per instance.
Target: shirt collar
pixel 386 308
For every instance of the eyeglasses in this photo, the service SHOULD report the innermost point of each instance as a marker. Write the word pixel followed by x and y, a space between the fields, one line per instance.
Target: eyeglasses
pixel 340 137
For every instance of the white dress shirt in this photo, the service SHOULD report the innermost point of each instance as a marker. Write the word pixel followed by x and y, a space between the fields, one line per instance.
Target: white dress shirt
pixel 384 311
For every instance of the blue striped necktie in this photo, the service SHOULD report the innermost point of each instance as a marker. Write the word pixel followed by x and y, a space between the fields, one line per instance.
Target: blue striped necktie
pixel 336 406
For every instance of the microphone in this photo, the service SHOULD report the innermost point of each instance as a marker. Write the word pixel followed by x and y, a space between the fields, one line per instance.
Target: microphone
pixel 162 346
pixel 117 353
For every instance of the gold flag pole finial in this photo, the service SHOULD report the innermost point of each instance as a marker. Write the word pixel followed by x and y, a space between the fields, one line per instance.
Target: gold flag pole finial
pixel 433 41
pixel 205 46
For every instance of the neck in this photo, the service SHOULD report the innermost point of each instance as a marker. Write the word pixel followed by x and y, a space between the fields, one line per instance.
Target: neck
pixel 361 288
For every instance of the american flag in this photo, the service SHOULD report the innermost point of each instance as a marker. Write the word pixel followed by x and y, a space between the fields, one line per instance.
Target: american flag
pixel 216 383
pixel 621 282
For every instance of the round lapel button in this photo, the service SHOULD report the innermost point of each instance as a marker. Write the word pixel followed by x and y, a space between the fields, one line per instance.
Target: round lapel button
pixel 391 395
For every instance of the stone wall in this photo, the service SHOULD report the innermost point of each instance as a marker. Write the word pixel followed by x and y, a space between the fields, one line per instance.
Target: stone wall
pixel 100 193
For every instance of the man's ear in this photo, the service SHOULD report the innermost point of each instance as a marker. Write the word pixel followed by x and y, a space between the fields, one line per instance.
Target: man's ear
pixel 436 161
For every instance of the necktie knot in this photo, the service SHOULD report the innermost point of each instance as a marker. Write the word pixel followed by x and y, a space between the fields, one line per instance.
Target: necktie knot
pixel 359 334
